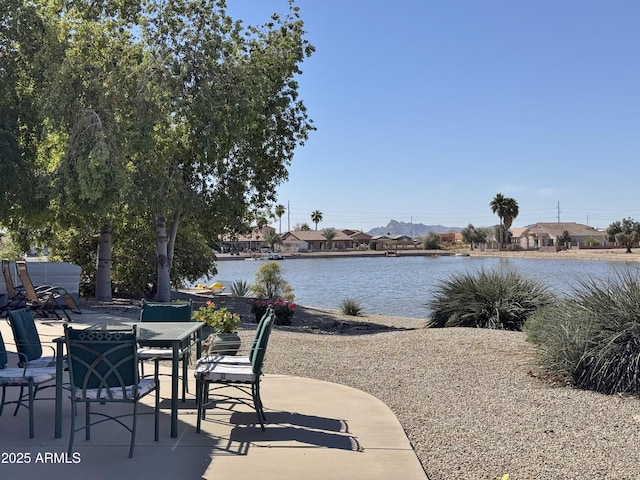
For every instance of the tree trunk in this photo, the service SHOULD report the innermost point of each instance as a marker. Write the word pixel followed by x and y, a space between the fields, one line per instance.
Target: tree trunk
pixel 165 246
pixel 103 270
pixel 163 260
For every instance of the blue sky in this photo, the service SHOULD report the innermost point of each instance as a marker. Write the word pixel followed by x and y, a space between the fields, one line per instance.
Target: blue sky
pixel 425 109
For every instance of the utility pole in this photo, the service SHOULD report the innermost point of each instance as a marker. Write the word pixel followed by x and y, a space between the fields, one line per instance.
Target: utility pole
pixel 288 217
pixel 558 211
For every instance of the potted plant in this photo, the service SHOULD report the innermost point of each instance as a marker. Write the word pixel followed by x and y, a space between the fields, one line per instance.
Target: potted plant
pixel 224 324
pixel 270 288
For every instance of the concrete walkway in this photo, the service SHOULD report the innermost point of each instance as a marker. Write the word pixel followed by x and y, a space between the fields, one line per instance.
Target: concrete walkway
pixel 314 430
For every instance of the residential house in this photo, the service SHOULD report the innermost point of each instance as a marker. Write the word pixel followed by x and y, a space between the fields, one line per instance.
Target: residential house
pixel 546 234
pixel 387 242
pixel 315 240
pixel 360 239
pixel 246 243
pixel 450 238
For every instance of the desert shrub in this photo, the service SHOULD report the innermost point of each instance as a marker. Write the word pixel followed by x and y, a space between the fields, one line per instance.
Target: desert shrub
pixel 594 339
pixel 350 306
pixel 561 332
pixel 591 242
pixel 488 300
pixel 240 288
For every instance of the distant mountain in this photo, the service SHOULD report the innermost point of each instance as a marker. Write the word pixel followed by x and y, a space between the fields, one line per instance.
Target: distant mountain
pixel 412 229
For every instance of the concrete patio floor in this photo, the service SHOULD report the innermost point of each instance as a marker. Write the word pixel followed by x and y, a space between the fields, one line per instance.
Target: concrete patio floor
pixel 314 430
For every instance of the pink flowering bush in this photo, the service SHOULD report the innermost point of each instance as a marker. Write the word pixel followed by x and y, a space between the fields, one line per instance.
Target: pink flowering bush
pixel 282 309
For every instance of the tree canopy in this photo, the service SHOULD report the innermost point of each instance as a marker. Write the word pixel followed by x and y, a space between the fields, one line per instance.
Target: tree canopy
pixel 148 114
pixel 624 232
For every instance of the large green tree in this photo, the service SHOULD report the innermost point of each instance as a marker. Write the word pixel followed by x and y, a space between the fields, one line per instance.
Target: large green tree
pixel 624 232
pixel 28 44
pixel 226 117
pixel 166 111
pixel 474 236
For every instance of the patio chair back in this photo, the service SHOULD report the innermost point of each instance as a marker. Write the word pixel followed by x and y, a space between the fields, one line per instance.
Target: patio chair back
pixel 165 311
pixel 25 334
pixel 260 349
pixel 103 368
pixel 102 360
pixel 8 280
pixel 27 284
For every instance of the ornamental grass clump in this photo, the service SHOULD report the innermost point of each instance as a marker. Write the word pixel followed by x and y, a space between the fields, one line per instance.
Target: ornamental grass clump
pixel 487 300
pixel 593 339
pixel 350 306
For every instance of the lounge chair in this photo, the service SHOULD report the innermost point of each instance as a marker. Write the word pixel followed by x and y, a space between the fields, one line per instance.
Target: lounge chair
pixel 45 299
pixel 15 296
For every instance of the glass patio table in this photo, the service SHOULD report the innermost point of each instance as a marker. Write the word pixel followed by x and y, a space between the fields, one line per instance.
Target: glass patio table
pixel 149 334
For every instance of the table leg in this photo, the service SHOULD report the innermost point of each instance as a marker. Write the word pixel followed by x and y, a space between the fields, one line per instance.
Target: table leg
pixel 59 380
pixel 174 390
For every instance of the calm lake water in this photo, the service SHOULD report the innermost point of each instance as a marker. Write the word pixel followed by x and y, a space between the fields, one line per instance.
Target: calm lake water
pixel 402 286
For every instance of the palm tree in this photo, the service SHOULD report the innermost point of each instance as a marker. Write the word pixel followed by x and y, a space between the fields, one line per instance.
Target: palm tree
pixel 279 213
pixel 272 239
pixel 329 235
pixel 316 217
pixel 507 210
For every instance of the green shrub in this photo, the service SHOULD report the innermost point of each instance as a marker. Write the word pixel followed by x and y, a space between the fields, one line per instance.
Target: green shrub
pixel 269 283
pixel 350 306
pixel 561 332
pixel 240 288
pixel 593 339
pixel 488 300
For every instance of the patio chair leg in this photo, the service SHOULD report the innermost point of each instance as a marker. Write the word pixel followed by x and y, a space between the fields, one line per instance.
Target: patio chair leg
pixel 87 421
pixel 73 427
pixel 255 393
pixel 157 412
pixel 200 386
pixel 31 395
pixel 19 402
pixel 4 396
pixel 133 428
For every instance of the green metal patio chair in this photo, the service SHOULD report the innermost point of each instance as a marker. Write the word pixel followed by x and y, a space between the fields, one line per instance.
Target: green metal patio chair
pixel 103 368
pixel 27 339
pixel 240 359
pixel 167 312
pixel 32 378
pixel 245 378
